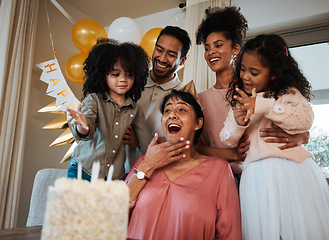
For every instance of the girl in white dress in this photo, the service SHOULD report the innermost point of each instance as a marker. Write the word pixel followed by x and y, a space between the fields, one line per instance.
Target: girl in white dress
pixel 283 193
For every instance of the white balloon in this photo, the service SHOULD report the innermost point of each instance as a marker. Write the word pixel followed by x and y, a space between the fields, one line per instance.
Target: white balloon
pixel 125 29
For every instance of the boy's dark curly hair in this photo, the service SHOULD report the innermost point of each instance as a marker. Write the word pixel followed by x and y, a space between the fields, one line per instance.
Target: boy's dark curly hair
pixel 228 21
pixel 180 34
pixel 273 53
pixel 101 60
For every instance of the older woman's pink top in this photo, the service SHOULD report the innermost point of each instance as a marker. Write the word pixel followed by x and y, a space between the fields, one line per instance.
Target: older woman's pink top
pixel 200 204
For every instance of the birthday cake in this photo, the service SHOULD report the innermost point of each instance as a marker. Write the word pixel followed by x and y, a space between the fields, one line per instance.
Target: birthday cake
pixel 79 209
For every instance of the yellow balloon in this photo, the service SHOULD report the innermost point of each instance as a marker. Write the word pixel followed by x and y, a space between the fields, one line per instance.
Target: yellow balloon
pixel 149 39
pixel 85 33
pixel 74 68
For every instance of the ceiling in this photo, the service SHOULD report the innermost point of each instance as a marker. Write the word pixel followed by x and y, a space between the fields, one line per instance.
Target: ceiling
pixel 105 11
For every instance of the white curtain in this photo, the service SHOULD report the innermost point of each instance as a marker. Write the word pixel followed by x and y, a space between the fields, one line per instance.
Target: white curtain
pixel 18 20
pixel 196 68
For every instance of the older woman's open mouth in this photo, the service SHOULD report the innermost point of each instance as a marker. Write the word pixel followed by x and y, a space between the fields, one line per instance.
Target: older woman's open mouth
pixel 173 128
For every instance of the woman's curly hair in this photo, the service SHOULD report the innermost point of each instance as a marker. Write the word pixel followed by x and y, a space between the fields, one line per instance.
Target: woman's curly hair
pixel 101 60
pixel 273 53
pixel 228 21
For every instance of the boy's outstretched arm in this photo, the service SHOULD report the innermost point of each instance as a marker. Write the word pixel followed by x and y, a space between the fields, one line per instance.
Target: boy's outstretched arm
pixel 79 119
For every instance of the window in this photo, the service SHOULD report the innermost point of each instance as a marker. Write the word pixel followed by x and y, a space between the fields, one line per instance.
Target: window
pixel 319 137
pixel 312 60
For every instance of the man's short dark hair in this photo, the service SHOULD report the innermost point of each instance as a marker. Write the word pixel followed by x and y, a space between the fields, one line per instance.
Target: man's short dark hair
pixel 180 34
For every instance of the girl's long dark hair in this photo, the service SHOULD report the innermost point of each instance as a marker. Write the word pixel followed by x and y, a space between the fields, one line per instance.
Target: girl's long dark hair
pixel 101 60
pixel 273 53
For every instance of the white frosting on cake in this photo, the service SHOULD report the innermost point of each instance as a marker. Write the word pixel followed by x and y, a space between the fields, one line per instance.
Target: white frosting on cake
pixel 84 210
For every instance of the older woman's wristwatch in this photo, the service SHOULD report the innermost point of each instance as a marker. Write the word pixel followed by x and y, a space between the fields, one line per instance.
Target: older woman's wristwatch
pixel 141 175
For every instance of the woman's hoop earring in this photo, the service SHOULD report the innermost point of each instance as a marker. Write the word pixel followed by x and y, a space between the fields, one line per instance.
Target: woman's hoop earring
pixel 233 60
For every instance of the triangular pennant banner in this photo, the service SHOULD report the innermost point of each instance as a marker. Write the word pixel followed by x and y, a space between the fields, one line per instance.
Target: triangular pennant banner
pixel 57 86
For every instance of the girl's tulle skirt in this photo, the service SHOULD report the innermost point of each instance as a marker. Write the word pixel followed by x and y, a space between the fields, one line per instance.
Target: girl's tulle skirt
pixel 282 199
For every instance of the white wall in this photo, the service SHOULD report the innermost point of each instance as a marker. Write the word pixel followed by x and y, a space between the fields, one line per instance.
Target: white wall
pixel 37 153
pixel 174 17
pixel 262 14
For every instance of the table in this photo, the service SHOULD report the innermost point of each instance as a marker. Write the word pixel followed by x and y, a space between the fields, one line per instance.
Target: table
pixel 25 233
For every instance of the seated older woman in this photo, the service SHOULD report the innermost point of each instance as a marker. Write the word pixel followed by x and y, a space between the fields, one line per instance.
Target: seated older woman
pixel 177 193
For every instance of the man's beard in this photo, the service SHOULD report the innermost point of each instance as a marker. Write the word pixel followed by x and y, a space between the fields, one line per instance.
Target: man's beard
pixel 164 75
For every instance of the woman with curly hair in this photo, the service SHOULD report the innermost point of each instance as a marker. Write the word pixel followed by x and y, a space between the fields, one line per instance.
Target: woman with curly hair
pixel 283 193
pixel 222 32
pixel 115 76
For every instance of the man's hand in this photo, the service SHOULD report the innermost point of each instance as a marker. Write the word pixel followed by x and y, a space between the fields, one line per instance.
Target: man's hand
pixel 130 138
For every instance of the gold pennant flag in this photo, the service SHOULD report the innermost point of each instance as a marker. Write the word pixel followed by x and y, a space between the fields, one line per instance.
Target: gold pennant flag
pixel 58 123
pixel 51 108
pixel 65 138
pixel 68 154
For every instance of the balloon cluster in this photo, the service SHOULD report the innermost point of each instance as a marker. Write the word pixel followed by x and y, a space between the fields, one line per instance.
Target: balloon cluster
pixel 86 31
pixel 84 34
pixel 125 29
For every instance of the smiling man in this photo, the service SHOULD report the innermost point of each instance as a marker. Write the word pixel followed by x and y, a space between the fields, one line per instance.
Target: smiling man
pixel 169 53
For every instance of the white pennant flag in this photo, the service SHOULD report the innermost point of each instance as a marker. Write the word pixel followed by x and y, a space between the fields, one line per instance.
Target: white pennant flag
pixel 57 86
